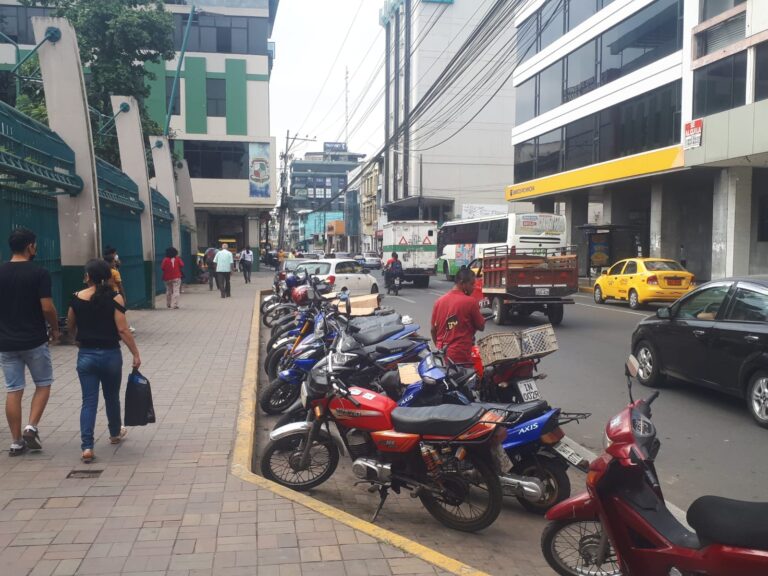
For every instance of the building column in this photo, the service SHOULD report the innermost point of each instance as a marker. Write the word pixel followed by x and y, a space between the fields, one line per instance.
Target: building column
pixel 186 201
pixel 68 116
pixel 164 180
pixel 133 161
pixel 657 215
pixel 731 222
pixel 201 218
pixel 577 214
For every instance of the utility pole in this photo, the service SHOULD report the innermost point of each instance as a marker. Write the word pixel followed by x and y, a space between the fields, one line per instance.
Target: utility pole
pixel 286 157
pixel 346 106
pixel 421 185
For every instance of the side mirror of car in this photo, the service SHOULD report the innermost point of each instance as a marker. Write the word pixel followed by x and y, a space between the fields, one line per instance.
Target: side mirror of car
pixel 664 313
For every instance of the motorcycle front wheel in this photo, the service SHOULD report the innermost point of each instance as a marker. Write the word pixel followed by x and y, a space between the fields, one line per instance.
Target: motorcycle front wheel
pixel 572 548
pixel 281 458
pixel 291 417
pixel 278 395
pixel 470 499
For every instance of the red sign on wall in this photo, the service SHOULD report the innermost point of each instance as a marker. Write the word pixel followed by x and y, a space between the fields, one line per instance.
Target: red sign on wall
pixel 693 133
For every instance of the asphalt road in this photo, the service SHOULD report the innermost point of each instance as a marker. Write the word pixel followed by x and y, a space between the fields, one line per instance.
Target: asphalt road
pixel 710 445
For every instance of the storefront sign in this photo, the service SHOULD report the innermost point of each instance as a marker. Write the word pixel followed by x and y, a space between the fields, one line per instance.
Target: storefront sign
pixel 693 133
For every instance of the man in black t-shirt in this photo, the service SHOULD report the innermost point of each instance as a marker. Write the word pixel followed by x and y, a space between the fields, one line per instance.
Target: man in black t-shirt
pixel 25 307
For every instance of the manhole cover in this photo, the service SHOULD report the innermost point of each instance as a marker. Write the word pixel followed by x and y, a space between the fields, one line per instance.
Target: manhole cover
pixel 85 474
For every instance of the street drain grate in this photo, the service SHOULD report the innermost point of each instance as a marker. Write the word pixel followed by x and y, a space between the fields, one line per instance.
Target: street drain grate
pixel 85 474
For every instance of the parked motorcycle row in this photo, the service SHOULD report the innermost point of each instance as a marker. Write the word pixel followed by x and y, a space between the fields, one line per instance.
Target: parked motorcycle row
pixel 460 440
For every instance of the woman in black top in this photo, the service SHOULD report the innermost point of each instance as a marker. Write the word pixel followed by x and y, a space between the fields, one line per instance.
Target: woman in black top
pixel 96 319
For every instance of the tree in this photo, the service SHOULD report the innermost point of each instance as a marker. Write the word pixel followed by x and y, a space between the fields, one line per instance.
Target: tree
pixel 116 39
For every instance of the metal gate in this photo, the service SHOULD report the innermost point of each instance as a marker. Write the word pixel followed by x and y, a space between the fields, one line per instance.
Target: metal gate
pixel 163 220
pixel 39 213
pixel 120 210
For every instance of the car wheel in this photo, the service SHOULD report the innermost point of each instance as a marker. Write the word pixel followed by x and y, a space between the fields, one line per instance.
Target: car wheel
pixel 634 299
pixel 757 397
pixel 599 295
pixel 374 289
pixel 649 372
pixel 447 272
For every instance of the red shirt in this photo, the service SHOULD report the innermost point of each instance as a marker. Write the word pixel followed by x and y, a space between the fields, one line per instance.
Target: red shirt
pixel 171 268
pixel 456 318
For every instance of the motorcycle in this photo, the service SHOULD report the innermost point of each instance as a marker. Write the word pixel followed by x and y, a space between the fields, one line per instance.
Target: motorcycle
pixel 441 454
pixel 621 524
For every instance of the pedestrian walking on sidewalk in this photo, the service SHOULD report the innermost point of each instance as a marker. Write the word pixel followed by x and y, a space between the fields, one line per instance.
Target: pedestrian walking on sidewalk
pixel 172 269
pixel 96 320
pixel 224 263
pixel 25 307
pixel 246 261
pixel 210 254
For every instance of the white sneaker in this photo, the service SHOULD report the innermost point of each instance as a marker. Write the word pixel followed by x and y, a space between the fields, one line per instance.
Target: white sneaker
pixel 132 329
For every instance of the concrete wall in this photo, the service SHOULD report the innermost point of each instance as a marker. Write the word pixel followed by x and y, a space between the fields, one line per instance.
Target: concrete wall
pixel 732 135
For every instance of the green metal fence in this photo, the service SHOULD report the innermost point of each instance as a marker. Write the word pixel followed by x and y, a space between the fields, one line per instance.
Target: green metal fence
pixel 39 213
pixel 121 210
pixel 163 220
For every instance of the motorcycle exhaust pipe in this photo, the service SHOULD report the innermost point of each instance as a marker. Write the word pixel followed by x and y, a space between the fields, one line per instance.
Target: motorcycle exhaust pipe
pixel 381 472
pixel 528 487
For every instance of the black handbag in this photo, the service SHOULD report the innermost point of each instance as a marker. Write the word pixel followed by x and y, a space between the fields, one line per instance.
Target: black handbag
pixel 139 409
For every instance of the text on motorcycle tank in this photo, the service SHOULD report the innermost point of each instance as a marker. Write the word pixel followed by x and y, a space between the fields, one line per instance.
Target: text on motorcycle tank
pixel 391 441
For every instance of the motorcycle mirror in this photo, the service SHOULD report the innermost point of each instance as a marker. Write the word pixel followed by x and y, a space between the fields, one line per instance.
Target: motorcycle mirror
pixel 631 368
pixel 347 308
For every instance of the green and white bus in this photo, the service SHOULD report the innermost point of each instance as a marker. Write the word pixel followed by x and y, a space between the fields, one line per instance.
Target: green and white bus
pixel 461 241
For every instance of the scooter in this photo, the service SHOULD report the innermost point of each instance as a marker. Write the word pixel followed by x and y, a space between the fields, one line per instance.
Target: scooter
pixel 621 524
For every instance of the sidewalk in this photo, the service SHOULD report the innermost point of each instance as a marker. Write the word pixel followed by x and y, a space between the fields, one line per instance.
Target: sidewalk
pixel 165 502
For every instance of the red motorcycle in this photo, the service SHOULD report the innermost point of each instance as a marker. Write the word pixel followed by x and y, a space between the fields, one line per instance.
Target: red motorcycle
pixel 441 454
pixel 621 525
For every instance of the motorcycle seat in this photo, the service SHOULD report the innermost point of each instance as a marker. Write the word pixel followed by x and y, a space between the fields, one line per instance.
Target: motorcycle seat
pixel 443 420
pixel 377 334
pixel 729 522
pixel 389 347
pixel 364 323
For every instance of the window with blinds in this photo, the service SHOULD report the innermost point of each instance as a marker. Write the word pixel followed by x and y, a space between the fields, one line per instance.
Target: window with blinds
pixel 722 35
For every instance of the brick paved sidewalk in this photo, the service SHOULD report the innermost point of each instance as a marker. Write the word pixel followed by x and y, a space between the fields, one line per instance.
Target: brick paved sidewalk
pixel 165 502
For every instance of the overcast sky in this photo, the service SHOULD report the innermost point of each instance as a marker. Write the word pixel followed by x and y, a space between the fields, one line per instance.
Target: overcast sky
pixel 307 85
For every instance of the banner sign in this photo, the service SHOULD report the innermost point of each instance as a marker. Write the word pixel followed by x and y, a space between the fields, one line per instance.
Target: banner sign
pixel 258 173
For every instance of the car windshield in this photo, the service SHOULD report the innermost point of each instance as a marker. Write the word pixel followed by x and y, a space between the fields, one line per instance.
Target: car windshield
pixel 318 268
pixel 292 264
pixel 662 266
pixel 371 255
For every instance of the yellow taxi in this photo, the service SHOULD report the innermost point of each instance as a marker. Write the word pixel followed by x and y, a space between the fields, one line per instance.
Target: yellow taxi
pixel 641 280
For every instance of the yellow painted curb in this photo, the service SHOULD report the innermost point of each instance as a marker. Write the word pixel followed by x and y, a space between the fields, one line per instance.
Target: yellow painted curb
pixel 243 454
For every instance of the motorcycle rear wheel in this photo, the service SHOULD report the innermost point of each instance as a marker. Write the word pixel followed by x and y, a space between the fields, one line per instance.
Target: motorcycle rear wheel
pixel 277 396
pixel 466 516
pixel 570 548
pixel 554 475
pixel 269 317
pixel 272 365
pixel 280 457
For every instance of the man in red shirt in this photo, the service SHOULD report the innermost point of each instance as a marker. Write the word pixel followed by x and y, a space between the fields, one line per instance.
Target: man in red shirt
pixel 455 319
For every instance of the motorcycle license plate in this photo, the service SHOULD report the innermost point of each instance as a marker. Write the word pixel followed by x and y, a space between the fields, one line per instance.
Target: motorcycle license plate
pixel 568 452
pixel 397 281
pixel 528 390
pixel 304 394
pixel 542 291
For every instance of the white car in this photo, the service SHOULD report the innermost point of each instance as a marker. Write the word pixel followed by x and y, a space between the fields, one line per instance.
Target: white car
pixel 342 273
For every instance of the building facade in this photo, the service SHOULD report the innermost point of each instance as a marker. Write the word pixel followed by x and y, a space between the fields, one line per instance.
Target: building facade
pixel 317 184
pixel 220 115
pixel 427 174
pixel 649 108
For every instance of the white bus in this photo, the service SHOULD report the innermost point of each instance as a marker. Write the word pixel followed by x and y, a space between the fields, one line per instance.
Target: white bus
pixel 461 241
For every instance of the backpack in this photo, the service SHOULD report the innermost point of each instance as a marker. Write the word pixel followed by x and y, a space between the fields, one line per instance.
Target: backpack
pixel 396 267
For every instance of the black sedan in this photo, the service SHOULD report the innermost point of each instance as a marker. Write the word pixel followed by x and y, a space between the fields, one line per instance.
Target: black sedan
pixel 715 336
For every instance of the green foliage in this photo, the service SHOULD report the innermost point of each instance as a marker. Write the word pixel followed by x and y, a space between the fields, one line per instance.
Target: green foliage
pixel 116 38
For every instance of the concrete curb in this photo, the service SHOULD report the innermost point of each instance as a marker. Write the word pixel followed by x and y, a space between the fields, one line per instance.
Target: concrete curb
pixel 586 290
pixel 242 456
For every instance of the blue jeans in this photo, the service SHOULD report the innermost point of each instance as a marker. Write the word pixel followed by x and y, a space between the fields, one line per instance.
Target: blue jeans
pixel 96 366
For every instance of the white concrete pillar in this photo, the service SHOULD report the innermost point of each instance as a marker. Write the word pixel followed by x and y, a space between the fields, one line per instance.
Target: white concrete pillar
pixel 254 229
pixel 133 161
pixel 731 222
pixel 186 201
pixel 657 200
pixel 68 116
pixel 577 214
pixel 164 181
